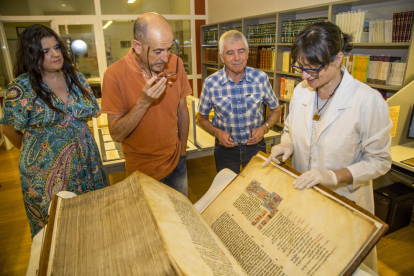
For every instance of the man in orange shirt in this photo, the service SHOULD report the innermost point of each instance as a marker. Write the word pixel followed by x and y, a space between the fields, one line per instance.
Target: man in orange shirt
pixel 144 97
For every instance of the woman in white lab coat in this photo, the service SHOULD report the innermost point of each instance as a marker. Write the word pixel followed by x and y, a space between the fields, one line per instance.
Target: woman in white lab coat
pixel 338 128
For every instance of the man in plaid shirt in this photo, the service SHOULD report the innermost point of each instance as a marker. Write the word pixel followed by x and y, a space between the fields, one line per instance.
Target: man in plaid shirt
pixel 237 93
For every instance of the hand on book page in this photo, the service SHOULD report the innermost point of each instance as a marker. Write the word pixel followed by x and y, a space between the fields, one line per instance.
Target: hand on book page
pixel 284 150
pixel 315 176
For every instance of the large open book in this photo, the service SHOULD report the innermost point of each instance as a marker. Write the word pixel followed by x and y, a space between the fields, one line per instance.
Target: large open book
pixel 258 225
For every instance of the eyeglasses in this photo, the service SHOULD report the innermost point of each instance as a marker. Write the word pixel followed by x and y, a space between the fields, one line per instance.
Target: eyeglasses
pixel 311 72
pixel 168 74
pixel 242 142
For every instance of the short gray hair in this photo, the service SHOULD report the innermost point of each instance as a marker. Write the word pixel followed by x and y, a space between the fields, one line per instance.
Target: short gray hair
pixel 231 36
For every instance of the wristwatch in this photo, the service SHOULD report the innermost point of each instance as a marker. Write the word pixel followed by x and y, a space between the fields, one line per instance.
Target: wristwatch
pixel 267 125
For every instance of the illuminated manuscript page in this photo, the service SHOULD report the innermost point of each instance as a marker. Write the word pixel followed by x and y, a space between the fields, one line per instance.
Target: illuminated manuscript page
pixel 271 228
pixel 194 247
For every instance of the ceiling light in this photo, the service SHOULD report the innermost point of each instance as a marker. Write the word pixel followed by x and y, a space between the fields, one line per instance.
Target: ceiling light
pixel 107 24
pixel 63 5
pixel 131 1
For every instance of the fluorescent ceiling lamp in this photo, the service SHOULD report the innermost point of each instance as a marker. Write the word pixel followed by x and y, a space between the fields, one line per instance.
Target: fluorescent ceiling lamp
pixel 131 1
pixel 107 24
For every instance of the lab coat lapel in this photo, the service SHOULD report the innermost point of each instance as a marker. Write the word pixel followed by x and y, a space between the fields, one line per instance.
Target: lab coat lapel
pixel 341 100
pixel 309 102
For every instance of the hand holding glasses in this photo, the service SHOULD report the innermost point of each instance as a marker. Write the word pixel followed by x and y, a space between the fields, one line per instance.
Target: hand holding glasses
pixel 242 142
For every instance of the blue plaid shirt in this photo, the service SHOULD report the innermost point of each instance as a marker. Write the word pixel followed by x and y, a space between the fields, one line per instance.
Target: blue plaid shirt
pixel 237 106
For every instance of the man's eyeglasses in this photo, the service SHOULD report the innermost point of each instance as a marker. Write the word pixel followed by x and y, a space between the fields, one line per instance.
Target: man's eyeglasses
pixel 170 73
pixel 311 72
pixel 242 142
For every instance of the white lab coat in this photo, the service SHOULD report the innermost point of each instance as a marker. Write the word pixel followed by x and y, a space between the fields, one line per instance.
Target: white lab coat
pixel 354 133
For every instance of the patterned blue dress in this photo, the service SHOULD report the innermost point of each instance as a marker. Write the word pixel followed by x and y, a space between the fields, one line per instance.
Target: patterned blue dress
pixel 58 151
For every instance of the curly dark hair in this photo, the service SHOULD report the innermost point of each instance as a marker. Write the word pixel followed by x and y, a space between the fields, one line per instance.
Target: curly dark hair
pixel 30 57
pixel 319 43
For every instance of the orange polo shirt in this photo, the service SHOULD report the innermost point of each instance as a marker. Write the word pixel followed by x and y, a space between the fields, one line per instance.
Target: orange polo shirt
pixel 153 147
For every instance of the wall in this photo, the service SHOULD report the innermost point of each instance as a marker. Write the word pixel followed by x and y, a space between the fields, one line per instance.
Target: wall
pixel 219 10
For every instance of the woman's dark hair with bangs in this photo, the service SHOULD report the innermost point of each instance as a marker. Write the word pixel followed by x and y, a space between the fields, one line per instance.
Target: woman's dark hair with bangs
pixel 319 43
pixel 30 57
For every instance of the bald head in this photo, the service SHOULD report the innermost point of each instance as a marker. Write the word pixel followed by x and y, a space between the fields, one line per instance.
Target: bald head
pixel 149 24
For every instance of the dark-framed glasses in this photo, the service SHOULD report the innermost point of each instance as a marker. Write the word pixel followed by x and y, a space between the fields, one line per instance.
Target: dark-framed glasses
pixel 311 72
pixel 242 142
pixel 170 73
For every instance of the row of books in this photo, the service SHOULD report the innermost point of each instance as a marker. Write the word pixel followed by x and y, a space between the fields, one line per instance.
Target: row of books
pixel 402 26
pixel 261 33
pixel 291 28
pixel 380 31
pixel 284 112
pixel 237 28
pixel 211 36
pixel 366 27
pixel 287 85
pixel 356 23
pixel 211 55
pixel 383 70
pixel 262 58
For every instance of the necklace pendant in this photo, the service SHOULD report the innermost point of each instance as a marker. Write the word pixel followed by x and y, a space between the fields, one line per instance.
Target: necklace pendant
pixel 316 116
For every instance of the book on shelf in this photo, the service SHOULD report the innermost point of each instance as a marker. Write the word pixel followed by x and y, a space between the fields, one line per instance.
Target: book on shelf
pixel 211 71
pixel 211 55
pixel 286 62
pixel 259 224
pixel 402 26
pixel 284 112
pixel 287 86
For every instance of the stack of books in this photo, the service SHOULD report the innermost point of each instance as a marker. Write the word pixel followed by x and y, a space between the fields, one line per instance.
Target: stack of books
pixel 211 55
pixel 402 26
pixel 287 85
pixel 261 33
pixel 292 28
pixel 211 36
pixel 383 70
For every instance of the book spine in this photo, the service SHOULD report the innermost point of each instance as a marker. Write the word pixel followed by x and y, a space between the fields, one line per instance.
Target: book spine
pixel 394 27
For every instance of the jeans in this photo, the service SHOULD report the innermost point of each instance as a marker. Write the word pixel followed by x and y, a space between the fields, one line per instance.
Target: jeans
pixel 177 179
pixel 233 158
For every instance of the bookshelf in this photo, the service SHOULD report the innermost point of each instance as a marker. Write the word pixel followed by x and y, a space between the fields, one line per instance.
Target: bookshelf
pixel 385 9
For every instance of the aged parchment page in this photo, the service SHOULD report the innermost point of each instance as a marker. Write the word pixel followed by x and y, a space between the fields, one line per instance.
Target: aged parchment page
pixel 191 243
pixel 271 228
pixel 109 232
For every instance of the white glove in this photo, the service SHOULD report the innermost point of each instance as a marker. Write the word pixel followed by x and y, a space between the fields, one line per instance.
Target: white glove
pixel 285 149
pixel 313 177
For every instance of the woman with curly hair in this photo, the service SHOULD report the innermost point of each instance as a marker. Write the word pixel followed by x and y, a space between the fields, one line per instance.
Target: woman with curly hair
pixel 45 115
